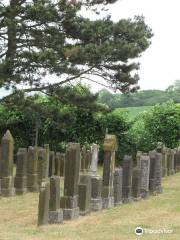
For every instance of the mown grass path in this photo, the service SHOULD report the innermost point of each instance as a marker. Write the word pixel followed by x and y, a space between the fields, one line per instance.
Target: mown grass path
pixel 18 217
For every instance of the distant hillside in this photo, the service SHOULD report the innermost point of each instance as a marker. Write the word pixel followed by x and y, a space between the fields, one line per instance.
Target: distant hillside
pixel 141 98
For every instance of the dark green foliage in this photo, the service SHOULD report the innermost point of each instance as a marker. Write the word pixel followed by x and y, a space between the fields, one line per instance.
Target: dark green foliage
pixel 52 37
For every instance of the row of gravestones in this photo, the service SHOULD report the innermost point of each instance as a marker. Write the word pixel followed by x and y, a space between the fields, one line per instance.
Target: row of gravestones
pixel 38 169
pixel 33 165
pixel 85 191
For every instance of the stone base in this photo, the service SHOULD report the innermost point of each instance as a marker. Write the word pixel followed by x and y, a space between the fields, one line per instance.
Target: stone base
pixel 21 191
pixel 118 203
pixel 144 194
pixel 10 192
pixel 108 202
pixel 70 213
pixel 128 200
pixel 55 217
pixel 137 199
pixel 96 204
pixel 84 213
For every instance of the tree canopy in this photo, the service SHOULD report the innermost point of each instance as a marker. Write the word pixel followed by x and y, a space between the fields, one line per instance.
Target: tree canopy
pixel 40 37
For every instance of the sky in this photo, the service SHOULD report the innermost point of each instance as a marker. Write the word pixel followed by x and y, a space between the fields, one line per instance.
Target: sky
pixel 160 63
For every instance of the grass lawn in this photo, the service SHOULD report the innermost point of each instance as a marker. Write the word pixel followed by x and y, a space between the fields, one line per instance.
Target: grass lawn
pixel 18 218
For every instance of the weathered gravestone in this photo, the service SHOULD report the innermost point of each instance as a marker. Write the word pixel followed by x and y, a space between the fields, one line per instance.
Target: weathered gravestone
pixel 43 207
pixel 62 164
pixel 117 183
pixel 162 149
pixel 32 176
pixel 110 146
pixel 94 158
pixel 127 179
pixel 43 158
pixel 145 167
pixel 136 184
pixel 96 190
pixel 155 172
pixel 138 155
pixel 69 202
pixel 51 163
pixel 55 213
pixel 20 181
pixel 177 160
pixel 7 181
pixel 170 162
pixel 84 190
pixel 57 164
pixel 83 158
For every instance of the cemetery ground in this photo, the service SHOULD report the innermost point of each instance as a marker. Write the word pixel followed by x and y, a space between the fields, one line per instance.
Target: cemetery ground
pixel 19 218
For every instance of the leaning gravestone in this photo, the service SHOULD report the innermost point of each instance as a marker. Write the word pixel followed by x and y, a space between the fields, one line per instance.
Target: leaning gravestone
pixel 32 176
pixel 145 167
pixel 55 213
pixel 20 181
pixel 127 179
pixel 7 181
pixel 94 160
pixel 96 190
pixel 69 202
pixel 118 173
pixel 110 146
pixel 43 207
pixel 136 184
pixel 84 190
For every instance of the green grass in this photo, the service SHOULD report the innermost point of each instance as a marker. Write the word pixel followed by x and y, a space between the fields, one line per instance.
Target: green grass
pixel 18 219
pixel 134 111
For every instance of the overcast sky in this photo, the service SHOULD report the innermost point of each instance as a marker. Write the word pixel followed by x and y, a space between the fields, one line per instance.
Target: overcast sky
pixel 160 63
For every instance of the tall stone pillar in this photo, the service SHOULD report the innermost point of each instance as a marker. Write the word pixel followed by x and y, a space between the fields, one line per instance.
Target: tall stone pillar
pixel 55 213
pixel 7 148
pixel 20 182
pixel 152 174
pixel 110 146
pixel 145 167
pixel 43 206
pixel 164 162
pixel 57 164
pixel 69 202
pixel 62 164
pixel 96 190
pixel 136 184
pixel 51 163
pixel 127 179
pixel 158 172
pixel 138 155
pixel 118 174
pixel 83 159
pixel 32 176
pixel 94 160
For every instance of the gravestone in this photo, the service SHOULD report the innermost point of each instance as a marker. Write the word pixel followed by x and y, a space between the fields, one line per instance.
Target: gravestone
pixel 84 190
pixel 127 179
pixel 62 164
pixel 145 167
pixel 164 162
pixel 118 174
pixel 110 146
pixel 69 202
pixel 7 181
pixel 138 155
pixel 158 172
pixel 55 213
pixel 170 162
pixel 20 181
pixel 57 164
pixel 177 160
pixel 32 176
pixel 136 184
pixel 43 206
pixel 94 160
pixel 96 190
pixel 51 163
pixel 88 158
pixel 152 173
pixel 83 158
pixel 41 165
